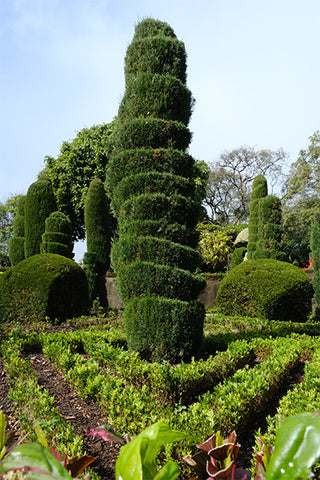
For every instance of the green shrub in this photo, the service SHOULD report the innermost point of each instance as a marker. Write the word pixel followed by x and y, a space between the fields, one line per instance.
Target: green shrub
pixel 269 228
pixel 39 203
pixel 163 329
pixel 152 181
pixel 266 288
pixel 45 285
pixel 57 237
pixel 259 190
pixel 16 243
pixel 238 256
pixel 215 247
pixel 315 255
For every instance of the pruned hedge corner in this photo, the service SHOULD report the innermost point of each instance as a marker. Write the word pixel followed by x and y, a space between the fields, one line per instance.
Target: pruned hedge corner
pixel 43 286
pixel 266 288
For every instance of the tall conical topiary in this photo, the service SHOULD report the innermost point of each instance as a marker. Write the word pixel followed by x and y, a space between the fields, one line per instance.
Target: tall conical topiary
pixel 259 190
pixel 57 237
pixel 315 255
pixel 40 202
pixel 16 243
pixel 97 223
pixel 269 228
pixel 150 177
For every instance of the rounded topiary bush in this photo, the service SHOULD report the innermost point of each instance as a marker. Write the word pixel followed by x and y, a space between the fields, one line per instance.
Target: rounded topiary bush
pixel 268 289
pixel 44 285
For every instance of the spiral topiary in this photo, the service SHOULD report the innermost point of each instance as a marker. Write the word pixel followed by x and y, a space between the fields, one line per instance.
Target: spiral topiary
pixel 57 237
pixel 150 177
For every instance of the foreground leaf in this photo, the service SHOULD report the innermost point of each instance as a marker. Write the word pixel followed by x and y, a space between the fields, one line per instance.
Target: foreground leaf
pixel 35 456
pixel 137 459
pixel 296 449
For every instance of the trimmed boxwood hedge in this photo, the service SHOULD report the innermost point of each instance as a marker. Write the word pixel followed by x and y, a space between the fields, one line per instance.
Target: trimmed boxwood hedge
pixel 268 289
pixel 44 285
pixel 163 329
pixel 130 248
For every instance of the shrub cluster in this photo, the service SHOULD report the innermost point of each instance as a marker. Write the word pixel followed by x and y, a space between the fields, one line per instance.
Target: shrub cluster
pixel 151 180
pixel 45 285
pixel 266 288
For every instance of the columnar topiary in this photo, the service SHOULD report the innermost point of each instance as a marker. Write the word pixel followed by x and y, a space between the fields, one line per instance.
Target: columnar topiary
pixel 16 243
pixel 269 228
pixel 57 237
pixel 259 190
pixel 315 255
pixel 151 180
pixel 40 202
pixel 97 223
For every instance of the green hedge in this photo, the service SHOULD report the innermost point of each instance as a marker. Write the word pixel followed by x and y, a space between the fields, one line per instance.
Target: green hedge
pixel 266 288
pixel 130 248
pixel 151 132
pixel 45 285
pixel 134 161
pixel 175 209
pixel 161 228
pixel 147 278
pixel 151 183
pixel 163 329
pixel 153 95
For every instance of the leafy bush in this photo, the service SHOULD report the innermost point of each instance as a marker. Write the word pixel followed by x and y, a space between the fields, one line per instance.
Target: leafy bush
pixel 45 285
pixel 215 247
pixel 39 203
pixel 266 288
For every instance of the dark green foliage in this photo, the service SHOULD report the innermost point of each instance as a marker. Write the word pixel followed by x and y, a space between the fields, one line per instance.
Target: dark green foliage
pixel 259 190
pixel 39 204
pixel 142 160
pixel 151 132
pixel 152 180
pixel 16 243
pixel 268 289
pixel 238 256
pixel 57 237
pixel 163 329
pixel 96 279
pixel 162 251
pixel 315 255
pixel 160 228
pixel 147 278
pixel 41 286
pixel 153 95
pixel 269 228
pixel 16 249
pixel 97 223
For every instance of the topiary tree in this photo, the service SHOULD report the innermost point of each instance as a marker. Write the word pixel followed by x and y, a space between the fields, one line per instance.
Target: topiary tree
pixel 151 179
pixel 57 237
pixel 269 228
pixel 238 256
pixel 39 203
pixel 46 285
pixel 315 255
pixel 97 224
pixel 268 289
pixel 259 190
pixel 16 243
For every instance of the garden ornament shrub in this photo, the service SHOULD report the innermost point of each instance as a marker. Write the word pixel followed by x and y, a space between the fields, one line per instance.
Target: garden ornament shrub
pixel 268 289
pixel 150 178
pixel 259 190
pixel 44 285
pixel 269 228
pixel 57 237
pixel 39 204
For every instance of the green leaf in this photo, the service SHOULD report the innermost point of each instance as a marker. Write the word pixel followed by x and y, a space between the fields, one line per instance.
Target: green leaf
pixel 170 471
pixel 297 447
pixel 137 458
pixel 2 430
pixel 34 455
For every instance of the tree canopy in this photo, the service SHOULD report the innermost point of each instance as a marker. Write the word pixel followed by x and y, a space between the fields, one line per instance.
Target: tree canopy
pixel 79 161
pixel 7 212
pixel 231 177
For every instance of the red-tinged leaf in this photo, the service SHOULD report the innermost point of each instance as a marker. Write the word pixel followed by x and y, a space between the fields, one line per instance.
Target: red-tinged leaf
pixel 76 465
pixel 242 474
pixel 208 444
pixel 106 436
pixel 55 454
pixel 213 471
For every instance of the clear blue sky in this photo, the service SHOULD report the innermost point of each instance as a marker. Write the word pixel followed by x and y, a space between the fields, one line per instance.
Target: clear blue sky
pixel 253 68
